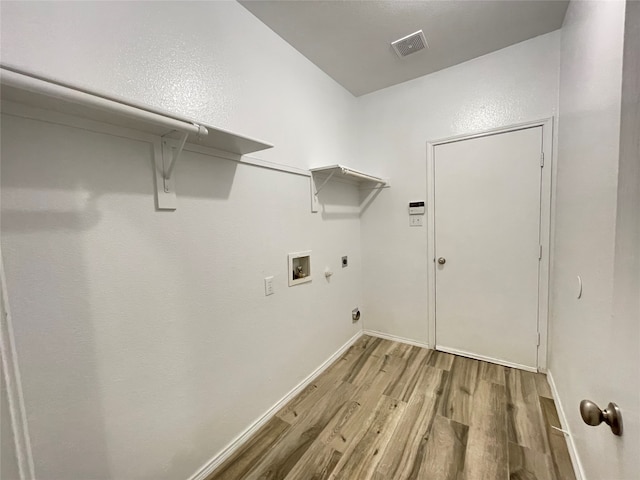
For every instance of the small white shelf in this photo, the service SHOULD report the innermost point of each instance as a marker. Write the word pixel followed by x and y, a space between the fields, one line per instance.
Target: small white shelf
pixel 24 88
pixel 349 175
pixel 321 175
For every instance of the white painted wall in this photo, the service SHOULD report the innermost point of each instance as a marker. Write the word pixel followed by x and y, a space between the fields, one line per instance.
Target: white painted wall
pixel 212 61
pixel 145 341
pixel 513 85
pixel 626 278
pixel 595 340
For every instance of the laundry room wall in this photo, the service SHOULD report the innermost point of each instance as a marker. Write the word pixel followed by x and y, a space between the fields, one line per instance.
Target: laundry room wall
pixel 513 85
pixel 144 338
pixel 595 336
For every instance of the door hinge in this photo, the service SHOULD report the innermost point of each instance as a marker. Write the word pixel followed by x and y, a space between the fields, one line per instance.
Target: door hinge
pixel 540 253
pixel 541 159
pixel 538 341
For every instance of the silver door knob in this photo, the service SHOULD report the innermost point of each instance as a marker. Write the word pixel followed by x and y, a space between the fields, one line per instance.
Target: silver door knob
pixel 592 415
pixel 442 260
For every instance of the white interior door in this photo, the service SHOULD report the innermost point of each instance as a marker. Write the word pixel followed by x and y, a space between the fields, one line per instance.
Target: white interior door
pixel 487 233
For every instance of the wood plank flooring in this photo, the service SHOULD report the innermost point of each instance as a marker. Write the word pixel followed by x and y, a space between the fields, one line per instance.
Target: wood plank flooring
pixel 390 411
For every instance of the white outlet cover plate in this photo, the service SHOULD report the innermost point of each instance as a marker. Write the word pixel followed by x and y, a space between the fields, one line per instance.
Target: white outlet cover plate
pixel 416 221
pixel 268 286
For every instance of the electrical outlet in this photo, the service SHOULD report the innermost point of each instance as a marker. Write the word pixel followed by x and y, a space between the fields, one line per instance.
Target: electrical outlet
pixel 268 286
pixel 416 220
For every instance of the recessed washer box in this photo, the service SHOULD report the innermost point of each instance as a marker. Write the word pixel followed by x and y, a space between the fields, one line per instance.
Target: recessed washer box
pixel 299 267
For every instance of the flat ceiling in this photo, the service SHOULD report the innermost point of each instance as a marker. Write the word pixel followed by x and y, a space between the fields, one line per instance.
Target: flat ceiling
pixel 350 40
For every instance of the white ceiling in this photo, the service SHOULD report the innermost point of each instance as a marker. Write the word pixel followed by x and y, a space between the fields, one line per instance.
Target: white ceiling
pixel 350 40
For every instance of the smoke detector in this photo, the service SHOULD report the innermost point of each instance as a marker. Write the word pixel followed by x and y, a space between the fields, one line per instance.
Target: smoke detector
pixel 410 44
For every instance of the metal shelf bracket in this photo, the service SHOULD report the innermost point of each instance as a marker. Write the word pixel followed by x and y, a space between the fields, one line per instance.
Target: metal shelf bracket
pixel 324 183
pixel 315 190
pixel 171 150
pixel 166 156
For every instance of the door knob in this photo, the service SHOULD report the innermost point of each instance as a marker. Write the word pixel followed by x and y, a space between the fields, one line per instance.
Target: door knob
pixel 442 260
pixel 592 415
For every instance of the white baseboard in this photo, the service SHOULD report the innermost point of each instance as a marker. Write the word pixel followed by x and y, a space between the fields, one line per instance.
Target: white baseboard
pixel 573 453
pixel 395 338
pixel 237 442
pixel 462 353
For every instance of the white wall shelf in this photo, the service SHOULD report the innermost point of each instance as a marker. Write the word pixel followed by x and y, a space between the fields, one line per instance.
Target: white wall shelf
pixel 24 88
pixel 320 176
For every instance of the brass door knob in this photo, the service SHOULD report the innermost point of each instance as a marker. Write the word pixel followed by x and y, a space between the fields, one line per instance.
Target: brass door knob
pixel 442 260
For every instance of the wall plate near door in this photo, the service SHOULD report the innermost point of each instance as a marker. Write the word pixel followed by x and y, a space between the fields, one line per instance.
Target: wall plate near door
pixel 416 220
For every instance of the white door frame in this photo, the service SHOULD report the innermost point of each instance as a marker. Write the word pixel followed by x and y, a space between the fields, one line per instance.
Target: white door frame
pixel 545 228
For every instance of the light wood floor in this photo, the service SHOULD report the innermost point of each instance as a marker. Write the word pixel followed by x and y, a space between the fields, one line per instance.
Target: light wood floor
pixel 390 411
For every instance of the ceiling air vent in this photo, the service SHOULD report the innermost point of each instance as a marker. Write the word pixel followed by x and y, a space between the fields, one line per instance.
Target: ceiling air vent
pixel 410 44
